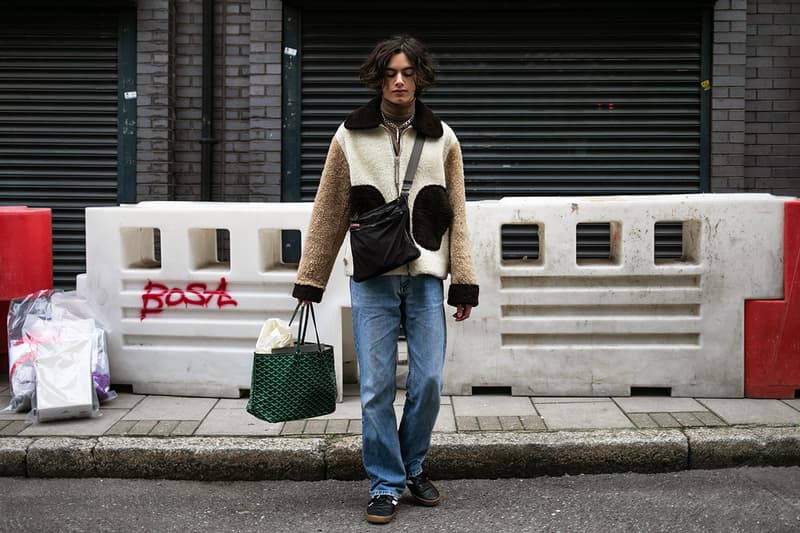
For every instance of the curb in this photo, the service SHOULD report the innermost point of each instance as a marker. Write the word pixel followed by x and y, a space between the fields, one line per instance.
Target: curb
pixel 451 456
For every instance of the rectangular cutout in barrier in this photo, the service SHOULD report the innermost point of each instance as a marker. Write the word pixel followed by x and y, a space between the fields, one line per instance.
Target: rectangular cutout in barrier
pixel 141 248
pixel 495 391
pixel 207 249
pixel 272 248
pixel 520 243
pixel 669 241
pixel 291 246
pixel 677 242
pixel 598 243
pixel 651 391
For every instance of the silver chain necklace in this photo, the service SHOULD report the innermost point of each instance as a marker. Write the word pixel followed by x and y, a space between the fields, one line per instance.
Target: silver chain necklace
pixel 398 128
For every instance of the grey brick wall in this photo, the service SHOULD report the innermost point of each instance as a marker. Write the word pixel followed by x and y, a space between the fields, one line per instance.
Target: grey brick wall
pixel 155 99
pixel 772 94
pixel 247 100
pixel 266 24
pixel 728 96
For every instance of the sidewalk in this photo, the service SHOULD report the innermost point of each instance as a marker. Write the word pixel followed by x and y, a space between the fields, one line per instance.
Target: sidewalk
pixel 475 436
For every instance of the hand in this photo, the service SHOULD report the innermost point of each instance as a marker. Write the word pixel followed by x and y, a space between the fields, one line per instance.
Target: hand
pixel 462 312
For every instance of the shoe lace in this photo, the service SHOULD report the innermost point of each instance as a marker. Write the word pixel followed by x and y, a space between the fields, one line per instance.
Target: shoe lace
pixel 419 479
pixel 382 498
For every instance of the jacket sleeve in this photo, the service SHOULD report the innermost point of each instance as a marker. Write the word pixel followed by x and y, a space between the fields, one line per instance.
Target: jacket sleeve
pixel 327 227
pixel 463 282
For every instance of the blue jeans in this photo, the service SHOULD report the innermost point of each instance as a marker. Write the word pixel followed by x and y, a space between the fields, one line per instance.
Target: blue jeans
pixel 379 305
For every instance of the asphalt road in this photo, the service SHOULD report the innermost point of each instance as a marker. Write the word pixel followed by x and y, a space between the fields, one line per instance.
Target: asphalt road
pixel 746 499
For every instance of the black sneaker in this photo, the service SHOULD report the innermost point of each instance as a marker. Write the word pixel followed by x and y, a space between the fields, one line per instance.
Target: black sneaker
pixel 423 490
pixel 381 509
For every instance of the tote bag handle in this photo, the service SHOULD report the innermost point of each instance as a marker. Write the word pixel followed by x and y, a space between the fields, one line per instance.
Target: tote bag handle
pixel 301 331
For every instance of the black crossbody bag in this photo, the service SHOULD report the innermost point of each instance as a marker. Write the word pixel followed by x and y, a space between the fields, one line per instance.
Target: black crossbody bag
pixel 380 238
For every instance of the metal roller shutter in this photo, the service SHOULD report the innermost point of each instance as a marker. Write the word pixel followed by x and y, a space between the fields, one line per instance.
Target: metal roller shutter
pixel 58 120
pixel 545 102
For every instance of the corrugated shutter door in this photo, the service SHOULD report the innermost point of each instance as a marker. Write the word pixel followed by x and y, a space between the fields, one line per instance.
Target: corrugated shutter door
pixel 579 102
pixel 58 121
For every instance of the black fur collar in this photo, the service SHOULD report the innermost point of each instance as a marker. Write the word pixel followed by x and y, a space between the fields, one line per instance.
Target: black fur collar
pixel 369 116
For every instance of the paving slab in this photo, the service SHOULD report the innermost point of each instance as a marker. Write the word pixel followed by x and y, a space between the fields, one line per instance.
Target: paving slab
pixel 491 405
pixel 77 427
pixel 584 415
pixel 236 422
pixel 349 407
pixel 652 404
pixel 124 400
pixel 171 408
pixel 568 399
pixel 11 415
pixel 794 404
pixel 751 411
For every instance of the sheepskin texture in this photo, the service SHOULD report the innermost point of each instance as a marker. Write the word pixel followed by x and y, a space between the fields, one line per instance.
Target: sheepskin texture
pixel 362 172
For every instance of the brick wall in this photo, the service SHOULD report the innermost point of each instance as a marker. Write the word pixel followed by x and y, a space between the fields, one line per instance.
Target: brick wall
pixel 247 100
pixel 155 99
pixel 728 96
pixel 772 97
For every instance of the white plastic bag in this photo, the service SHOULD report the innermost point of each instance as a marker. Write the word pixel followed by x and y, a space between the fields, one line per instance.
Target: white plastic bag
pixel 275 333
pixel 63 351
pixel 58 307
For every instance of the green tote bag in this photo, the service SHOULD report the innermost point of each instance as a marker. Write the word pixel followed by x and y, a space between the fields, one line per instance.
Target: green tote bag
pixel 295 382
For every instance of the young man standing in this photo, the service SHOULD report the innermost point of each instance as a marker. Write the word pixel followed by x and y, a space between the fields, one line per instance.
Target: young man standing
pixel 364 169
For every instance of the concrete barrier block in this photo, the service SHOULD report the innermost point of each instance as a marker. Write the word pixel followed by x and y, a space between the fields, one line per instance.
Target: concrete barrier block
pixel 61 457
pixel 13 456
pixel 207 458
pixel 562 326
pixel 488 455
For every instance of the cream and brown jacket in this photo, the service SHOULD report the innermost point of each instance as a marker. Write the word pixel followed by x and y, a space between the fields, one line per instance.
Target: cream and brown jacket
pixel 362 172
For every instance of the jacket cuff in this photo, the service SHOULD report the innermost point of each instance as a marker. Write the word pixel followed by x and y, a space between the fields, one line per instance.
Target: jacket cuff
pixel 307 292
pixel 463 294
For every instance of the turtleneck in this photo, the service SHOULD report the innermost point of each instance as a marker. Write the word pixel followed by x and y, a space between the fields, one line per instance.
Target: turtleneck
pixel 397 113
pixel 397 119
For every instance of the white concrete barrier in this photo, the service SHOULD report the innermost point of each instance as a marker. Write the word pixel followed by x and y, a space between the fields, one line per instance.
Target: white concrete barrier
pixel 557 326
pixel 553 325
pixel 187 324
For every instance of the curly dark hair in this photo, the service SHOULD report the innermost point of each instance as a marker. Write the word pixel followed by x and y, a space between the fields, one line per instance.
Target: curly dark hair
pixel 373 70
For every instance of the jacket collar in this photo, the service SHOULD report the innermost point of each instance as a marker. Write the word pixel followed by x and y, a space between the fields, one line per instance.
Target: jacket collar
pixel 369 116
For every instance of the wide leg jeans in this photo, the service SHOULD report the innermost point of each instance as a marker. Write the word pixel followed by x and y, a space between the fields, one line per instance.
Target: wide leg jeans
pixel 379 306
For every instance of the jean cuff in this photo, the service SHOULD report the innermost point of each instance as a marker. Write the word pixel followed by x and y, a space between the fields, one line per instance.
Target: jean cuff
pixel 384 493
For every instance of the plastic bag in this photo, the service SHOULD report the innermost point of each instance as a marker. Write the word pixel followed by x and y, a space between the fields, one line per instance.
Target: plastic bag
pixel 63 350
pixel 275 333
pixel 59 307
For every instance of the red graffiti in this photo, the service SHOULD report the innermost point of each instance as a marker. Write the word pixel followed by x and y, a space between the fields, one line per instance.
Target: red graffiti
pixel 157 296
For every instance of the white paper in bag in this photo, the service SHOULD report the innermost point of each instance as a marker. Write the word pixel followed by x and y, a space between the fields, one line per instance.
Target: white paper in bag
pixel 275 333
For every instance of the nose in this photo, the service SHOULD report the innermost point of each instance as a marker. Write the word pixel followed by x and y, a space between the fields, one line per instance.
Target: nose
pixel 398 79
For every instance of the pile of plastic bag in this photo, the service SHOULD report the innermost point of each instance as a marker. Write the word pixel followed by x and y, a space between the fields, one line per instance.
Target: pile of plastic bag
pixel 58 364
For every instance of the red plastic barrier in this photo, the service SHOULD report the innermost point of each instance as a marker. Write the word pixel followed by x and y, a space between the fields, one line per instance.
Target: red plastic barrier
pixel 772 327
pixel 26 260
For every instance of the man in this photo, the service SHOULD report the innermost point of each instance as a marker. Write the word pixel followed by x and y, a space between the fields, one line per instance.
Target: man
pixel 364 169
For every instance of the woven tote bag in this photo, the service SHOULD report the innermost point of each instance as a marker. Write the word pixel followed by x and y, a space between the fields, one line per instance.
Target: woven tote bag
pixel 295 382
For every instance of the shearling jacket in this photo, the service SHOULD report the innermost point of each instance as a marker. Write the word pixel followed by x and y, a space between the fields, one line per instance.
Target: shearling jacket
pixel 362 172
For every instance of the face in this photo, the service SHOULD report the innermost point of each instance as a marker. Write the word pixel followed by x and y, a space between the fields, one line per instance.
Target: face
pixel 398 81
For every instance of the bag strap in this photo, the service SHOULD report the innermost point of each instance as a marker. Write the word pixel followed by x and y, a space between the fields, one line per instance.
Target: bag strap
pixel 413 163
pixel 303 327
